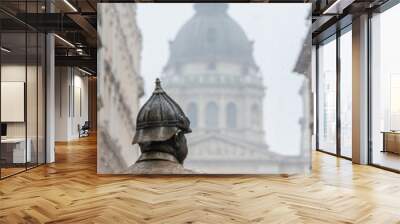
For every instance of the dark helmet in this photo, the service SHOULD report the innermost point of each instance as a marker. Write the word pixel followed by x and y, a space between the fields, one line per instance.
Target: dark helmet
pixel 160 118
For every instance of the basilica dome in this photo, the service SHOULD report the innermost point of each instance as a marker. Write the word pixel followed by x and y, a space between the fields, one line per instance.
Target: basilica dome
pixel 211 35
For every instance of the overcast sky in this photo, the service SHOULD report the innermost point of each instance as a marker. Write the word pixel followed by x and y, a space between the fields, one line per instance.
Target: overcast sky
pixel 278 32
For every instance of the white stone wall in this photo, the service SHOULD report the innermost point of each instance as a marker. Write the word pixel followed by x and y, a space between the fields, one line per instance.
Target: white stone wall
pixel 71 102
pixel 120 86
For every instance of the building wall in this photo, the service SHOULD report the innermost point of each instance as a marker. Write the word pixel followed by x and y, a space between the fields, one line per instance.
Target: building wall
pixel 225 84
pixel 217 146
pixel 119 86
pixel 71 102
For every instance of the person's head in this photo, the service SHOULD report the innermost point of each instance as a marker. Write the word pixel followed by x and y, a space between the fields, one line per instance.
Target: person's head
pixel 175 146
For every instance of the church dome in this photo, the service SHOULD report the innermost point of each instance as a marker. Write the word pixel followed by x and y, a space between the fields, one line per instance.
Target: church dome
pixel 211 35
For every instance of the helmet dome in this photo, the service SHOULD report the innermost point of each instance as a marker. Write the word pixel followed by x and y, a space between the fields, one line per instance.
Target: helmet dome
pixel 160 118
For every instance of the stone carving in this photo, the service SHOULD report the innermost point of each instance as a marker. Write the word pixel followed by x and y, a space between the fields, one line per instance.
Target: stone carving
pixel 160 132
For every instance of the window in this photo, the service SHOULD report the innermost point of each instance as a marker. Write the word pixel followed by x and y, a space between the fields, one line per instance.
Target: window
pixel 192 114
pixel 231 115
pixel 211 35
pixel 212 66
pixel 346 94
pixel 245 69
pixel 211 115
pixel 334 60
pixel 22 77
pixel 385 89
pixel 327 95
pixel 256 116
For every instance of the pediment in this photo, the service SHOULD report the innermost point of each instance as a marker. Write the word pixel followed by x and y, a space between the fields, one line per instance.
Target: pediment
pixel 226 148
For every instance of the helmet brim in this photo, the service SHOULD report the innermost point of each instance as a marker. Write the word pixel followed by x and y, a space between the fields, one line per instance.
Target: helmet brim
pixel 154 134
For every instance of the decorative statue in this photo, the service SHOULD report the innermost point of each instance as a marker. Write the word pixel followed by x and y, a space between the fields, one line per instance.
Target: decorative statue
pixel 160 128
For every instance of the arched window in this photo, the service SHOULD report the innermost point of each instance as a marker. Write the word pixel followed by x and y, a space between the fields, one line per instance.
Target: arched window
pixel 211 35
pixel 231 114
pixel 192 114
pixel 256 118
pixel 212 66
pixel 211 115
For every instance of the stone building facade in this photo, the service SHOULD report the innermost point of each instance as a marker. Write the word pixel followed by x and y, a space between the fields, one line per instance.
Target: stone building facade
pixel 212 74
pixel 120 85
